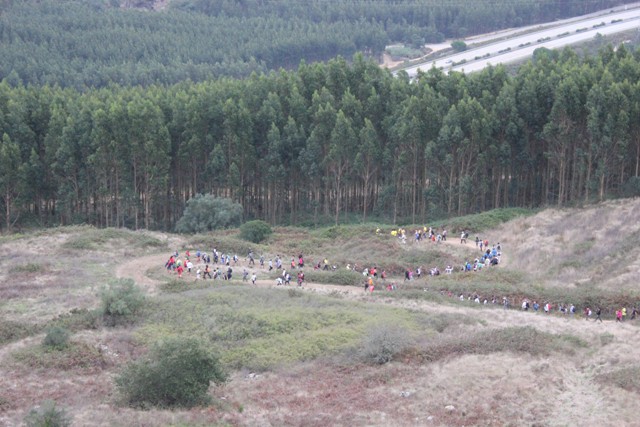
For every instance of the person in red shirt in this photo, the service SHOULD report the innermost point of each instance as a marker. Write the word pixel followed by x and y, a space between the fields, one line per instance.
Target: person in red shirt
pixel 180 270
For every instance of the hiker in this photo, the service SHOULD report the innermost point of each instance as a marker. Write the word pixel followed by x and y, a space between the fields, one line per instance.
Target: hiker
pixel 245 275
pixel 253 278
pixel 618 315
pixel 598 313
pixel 587 313
pixel 300 278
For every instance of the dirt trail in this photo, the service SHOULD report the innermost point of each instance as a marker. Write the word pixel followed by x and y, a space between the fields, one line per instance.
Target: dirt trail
pixel 491 315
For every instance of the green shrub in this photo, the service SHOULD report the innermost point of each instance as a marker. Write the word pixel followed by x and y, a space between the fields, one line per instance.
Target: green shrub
pixel 57 338
pixel 78 319
pixel 255 231
pixel 524 339
pixel 71 357
pixel 47 415
pixel 29 268
pixel 207 212
pixel 91 238
pixel 383 342
pixel 175 285
pixel 341 276
pixel 459 45
pixel 176 373
pixel 13 331
pixel 121 300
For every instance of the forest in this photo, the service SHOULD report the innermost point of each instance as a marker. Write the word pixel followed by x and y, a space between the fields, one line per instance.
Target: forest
pixel 91 44
pixel 333 142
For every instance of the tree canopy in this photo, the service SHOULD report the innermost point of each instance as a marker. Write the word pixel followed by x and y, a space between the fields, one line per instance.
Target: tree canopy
pixel 79 44
pixel 324 143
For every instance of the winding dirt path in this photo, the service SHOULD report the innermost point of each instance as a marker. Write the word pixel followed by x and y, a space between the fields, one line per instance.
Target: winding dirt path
pixel 491 315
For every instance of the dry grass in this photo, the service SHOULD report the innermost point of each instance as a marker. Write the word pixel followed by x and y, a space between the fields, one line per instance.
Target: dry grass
pixel 599 245
pixel 494 367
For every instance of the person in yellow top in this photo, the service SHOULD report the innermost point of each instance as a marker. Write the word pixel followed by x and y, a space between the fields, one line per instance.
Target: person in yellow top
pixel 624 313
pixel 394 233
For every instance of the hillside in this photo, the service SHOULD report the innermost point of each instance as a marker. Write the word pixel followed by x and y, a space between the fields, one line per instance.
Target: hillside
pixel 307 356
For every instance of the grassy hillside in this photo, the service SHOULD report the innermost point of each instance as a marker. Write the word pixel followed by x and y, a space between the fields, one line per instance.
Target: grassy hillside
pixel 329 353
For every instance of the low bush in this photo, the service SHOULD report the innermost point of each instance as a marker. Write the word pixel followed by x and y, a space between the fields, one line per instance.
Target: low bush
pixel 91 238
pixel 121 300
pixel 176 373
pixel 383 342
pixel 71 357
pixel 47 414
pixel 13 331
pixel 175 285
pixel 514 339
pixel 29 268
pixel 482 221
pixel 57 338
pixel 78 319
pixel 229 244
pixel 341 276
pixel 255 231
pixel 627 378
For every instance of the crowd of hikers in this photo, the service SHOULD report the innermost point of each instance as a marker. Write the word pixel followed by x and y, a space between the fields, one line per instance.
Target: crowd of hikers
pixel 215 265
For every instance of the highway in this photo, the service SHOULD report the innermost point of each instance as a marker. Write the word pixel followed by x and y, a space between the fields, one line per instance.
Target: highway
pixel 518 46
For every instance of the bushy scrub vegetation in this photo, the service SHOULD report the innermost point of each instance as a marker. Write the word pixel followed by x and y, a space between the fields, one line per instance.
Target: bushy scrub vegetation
pixel 516 286
pixel 255 231
pixel 78 319
pixel 514 339
pixel 340 277
pixel 48 414
pixel 459 46
pixel 88 238
pixel 205 212
pixel 176 373
pixel 73 356
pixel 249 329
pixel 383 342
pixel 121 300
pixel 12 330
pixel 57 338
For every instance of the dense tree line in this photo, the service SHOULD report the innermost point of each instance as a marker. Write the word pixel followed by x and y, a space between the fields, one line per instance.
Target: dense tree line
pixel 325 141
pixel 79 43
